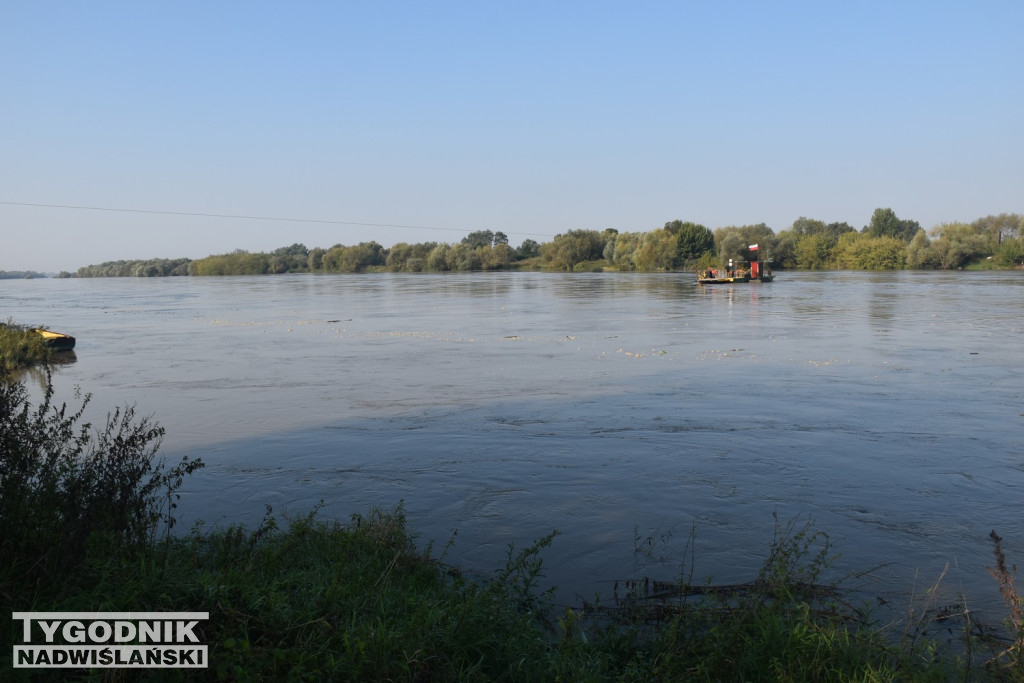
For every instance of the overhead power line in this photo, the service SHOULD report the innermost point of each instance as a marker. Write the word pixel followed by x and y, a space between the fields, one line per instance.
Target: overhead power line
pixel 197 214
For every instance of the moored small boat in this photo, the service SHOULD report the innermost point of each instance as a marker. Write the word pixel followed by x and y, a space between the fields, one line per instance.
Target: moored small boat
pixel 56 340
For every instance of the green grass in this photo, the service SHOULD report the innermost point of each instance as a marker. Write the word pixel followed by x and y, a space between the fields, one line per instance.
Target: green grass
pixel 319 600
pixel 20 347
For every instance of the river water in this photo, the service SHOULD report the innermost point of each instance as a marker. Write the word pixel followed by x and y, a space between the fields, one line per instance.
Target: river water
pixel 624 410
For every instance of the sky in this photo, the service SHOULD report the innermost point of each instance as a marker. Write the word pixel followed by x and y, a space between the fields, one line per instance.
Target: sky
pixel 343 122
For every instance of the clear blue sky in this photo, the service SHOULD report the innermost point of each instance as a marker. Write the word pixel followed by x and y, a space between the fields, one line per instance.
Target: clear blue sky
pixel 531 118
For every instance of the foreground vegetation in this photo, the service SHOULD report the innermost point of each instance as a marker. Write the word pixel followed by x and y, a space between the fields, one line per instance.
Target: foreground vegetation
pixel 886 243
pixel 84 526
pixel 20 347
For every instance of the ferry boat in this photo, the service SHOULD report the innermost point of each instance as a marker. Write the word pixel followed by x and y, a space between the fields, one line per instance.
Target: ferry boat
pixel 754 270
pixel 712 276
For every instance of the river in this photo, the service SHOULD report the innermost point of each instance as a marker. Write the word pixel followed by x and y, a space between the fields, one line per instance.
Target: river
pixel 624 410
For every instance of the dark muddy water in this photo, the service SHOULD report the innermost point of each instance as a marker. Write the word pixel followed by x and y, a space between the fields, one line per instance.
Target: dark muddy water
pixel 623 410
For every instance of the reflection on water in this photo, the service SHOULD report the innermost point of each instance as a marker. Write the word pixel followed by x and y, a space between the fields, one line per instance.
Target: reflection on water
pixel 36 375
pixel 609 406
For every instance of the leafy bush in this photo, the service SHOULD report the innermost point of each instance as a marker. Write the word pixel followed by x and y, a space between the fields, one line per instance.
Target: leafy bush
pixel 61 486
pixel 1011 253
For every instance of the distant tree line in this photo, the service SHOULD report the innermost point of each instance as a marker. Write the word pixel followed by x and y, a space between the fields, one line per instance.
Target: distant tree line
pixel 481 250
pixel 157 267
pixel 19 274
pixel 888 242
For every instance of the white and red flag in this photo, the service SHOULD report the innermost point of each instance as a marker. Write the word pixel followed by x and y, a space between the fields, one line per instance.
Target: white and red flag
pixel 752 247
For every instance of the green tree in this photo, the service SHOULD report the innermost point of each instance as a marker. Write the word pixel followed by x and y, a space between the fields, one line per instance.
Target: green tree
pixel 567 250
pixel 203 267
pixel 398 255
pixel 362 256
pixel 808 243
pixel 885 223
pixel 783 249
pixel 480 238
pixel 410 258
pixel 354 259
pixel 437 259
pixel 497 257
pixel 238 262
pixel 621 251
pixel 693 241
pixel 837 229
pixel 814 251
pixel 957 244
pixel 465 257
pixel 292 259
pixel 245 263
pixel 1005 226
pixel 527 250
pixel 657 250
pixel 331 260
pixel 1010 253
pixel 805 227
pixel 315 259
pixel 920 253
pixel 858 251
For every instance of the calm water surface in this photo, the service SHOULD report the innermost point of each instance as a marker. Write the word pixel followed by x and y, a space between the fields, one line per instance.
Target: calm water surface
pixel 621 409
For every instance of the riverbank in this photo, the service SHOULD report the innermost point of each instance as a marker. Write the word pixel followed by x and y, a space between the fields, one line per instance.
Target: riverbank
pixel 84 522
pixel 315 599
